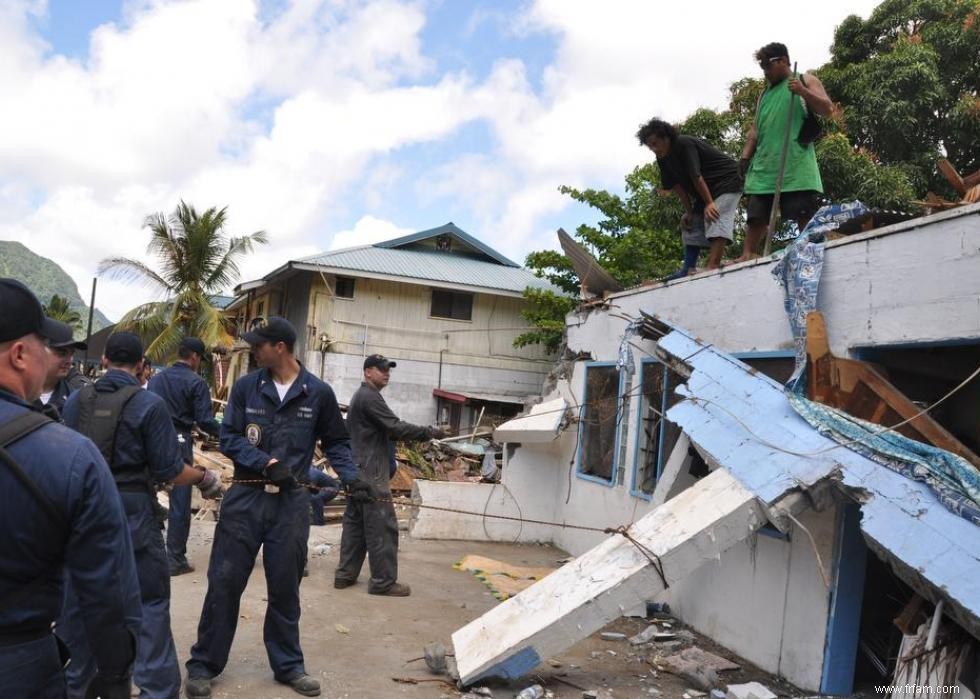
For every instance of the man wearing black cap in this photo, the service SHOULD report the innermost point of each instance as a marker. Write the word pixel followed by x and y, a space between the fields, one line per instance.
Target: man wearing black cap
pixel 272 422
pixel 189 400
pixel 62 520
pixel 62 377
pixel 132 429
pixel 371 528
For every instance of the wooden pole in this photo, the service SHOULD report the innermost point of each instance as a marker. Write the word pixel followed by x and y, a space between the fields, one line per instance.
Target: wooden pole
pixel 774 214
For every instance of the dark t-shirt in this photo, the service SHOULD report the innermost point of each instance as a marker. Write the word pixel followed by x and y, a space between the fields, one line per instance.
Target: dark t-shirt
pixel 690 157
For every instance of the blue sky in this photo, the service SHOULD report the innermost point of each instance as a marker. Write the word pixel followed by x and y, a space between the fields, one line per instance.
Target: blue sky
pixel 337 122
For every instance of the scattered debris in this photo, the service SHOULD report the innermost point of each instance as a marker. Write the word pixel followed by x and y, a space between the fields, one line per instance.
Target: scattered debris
pixel 695 657
pixel 749 690
pixel 646 635
pixel 612 636
pixel 535 691
pixel 435 658
pixel 321 549
pixel 341 629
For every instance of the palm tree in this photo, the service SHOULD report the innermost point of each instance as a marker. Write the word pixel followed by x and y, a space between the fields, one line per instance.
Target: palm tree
pixel 60 308
pixel 196 263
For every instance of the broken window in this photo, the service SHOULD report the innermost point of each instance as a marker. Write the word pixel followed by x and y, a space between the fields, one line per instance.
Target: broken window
pixel 454 305
pixel 344 287
pixel 656 437
pixel 600 413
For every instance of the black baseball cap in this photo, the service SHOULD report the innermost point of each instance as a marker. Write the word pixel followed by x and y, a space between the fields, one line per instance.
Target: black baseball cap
pixel 193 344
pixel 124 348
pixel 65 337
pixel 22 313
pixel 276 329
pixel 378 360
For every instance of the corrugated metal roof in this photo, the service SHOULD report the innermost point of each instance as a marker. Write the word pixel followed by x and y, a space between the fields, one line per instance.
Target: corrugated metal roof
pixel 432 266
pixel 931 548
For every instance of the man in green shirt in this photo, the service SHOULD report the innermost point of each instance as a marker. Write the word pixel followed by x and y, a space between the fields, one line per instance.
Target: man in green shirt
pixel 763 150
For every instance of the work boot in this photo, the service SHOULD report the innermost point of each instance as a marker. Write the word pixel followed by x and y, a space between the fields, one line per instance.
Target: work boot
pixel 341 583
pixel 396 590
pixel 180 568
pixel 305 685
pixel 198 687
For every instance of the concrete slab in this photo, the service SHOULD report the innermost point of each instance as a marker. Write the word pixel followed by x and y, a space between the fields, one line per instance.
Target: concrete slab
pixel 587 593
pixel 539 425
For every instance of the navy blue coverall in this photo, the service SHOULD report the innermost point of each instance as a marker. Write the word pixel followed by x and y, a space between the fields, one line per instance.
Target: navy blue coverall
pixel 189 401
pixel 258 427
pixel 145 441
pixel 95 552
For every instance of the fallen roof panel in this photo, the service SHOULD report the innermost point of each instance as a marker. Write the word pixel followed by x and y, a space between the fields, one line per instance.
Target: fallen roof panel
pixel 743 421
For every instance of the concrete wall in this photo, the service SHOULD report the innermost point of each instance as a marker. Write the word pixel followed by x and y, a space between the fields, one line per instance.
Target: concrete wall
pixel 915 282
pixel 410 392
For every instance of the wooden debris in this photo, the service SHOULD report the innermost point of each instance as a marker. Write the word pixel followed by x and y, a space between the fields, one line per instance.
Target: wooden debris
pixel 857 389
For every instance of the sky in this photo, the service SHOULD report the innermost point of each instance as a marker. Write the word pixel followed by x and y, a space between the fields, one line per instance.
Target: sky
pixel 332 123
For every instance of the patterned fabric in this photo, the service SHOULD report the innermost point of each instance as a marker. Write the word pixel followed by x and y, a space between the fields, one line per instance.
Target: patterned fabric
pixel 953 479
pixel 799 272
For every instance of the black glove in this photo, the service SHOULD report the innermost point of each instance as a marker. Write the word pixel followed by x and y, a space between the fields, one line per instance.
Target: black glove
pixel 279 473
pixel 743 167
pixel 109 688
pixel 361 491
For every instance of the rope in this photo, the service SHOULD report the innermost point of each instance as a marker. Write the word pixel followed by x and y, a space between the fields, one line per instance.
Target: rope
pixel 622 530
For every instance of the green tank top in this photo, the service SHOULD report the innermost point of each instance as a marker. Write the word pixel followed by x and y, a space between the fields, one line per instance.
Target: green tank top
pixel 801 172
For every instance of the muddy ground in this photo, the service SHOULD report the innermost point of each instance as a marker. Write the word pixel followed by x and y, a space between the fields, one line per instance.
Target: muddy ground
pixel 377 635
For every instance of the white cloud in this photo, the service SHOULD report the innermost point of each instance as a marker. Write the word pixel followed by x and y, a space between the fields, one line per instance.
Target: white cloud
pixel 367 231
pixel 283 117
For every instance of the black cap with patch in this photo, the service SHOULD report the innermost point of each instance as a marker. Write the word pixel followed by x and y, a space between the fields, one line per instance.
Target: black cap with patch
pixel 274 330
pixel 378 360
pixel 65 338
pixel 22 313
pixel 124 348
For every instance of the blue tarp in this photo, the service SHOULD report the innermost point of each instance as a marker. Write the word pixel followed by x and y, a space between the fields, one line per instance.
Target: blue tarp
pixel 953 479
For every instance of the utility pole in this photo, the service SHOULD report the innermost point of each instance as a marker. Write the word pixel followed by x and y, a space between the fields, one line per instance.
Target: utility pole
pixel 91 311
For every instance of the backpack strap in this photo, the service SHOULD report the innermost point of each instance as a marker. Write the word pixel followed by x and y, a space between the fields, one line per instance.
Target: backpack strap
pixel 10 432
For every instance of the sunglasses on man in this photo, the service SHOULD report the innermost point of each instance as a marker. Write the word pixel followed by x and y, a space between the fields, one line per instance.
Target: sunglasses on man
pixel 769 61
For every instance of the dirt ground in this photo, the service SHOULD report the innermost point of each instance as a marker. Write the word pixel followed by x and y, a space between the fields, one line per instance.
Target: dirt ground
pixel 356 643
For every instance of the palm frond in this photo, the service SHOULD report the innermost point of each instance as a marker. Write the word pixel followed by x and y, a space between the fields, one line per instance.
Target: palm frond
pixel 226 272
pixel 126 269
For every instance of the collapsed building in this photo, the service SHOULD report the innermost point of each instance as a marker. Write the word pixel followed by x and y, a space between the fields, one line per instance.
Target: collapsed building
pixel 783 522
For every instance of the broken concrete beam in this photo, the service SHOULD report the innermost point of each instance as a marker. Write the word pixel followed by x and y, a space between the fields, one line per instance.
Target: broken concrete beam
pixel 749 690
pixel 539 425
pixel 586 594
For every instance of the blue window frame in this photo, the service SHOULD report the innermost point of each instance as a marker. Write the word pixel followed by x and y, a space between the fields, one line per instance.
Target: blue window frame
pixel 600 423
pixel 655 437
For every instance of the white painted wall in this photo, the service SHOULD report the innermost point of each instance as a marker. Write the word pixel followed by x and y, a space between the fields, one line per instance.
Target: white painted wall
pixel 913 282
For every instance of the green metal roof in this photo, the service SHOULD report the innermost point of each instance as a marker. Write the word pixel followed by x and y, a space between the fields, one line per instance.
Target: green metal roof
pixel 428 266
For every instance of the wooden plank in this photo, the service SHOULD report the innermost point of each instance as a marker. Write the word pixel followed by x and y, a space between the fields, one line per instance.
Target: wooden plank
pixel 580 598
pixel 952 176
pixel 857 389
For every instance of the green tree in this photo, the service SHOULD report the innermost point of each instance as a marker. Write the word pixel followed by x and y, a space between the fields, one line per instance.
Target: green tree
pixel 60 308
pixel 196 262
pixel 908 79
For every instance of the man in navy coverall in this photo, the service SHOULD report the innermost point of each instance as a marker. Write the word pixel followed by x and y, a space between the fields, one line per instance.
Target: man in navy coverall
pixel 73 526
pixel 273 419
pixel 189 401
pixel 133 431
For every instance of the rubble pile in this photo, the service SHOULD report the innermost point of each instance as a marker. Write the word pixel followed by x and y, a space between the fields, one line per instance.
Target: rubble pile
pixel 462 459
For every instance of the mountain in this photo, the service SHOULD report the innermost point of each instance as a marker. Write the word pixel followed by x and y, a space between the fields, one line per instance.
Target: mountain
pixel 45 278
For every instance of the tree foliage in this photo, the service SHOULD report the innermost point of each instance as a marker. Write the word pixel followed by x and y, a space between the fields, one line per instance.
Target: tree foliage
pixel 196 262
pixel 906 81
pixel 60 308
